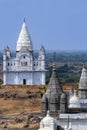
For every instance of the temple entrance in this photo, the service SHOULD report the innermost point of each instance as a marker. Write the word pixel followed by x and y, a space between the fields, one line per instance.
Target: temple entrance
pixel 24 81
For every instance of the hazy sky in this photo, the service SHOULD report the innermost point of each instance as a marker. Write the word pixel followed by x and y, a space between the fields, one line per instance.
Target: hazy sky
pixel 56 24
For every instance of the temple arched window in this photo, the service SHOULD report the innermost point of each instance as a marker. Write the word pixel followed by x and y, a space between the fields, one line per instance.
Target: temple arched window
pixel 24 57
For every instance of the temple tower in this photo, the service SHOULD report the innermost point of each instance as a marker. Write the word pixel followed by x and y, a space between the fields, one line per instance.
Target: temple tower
pixel 25 68
pixel 51 99
pixel 83 84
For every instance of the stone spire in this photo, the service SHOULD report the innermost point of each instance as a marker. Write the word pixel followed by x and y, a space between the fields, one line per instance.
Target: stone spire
pixel 24 39
pixel 54 85
pixel 83 84
pixel 51 99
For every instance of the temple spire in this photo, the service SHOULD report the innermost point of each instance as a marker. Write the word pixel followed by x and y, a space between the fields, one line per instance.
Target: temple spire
pixel 24 20
pixel 83 84
pixel 24 39
pixel 54 85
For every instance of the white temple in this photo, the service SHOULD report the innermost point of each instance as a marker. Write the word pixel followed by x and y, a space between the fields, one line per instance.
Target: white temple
pixel 24 68
pixel 48 123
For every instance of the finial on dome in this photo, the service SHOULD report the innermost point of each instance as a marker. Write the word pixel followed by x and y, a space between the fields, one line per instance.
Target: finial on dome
pixel 54 59
pixel 75 92
pixel 48 113
pixel 24 20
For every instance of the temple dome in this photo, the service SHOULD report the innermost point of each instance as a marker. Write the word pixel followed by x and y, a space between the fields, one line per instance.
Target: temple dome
pixel 74 102
pixel 48 123
pixel 24 39
pixel 48 120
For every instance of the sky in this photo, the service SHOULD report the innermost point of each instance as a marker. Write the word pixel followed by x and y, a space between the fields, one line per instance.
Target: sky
pixel 55 24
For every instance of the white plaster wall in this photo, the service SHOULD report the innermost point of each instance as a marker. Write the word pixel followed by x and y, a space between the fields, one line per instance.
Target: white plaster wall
pixel 32 78
pixel 43 78
pixel 4 65
pixel 37 78
pixel 25 75
pixel 78 124
pixel 4 78
pixel 17 78
pixel 12 76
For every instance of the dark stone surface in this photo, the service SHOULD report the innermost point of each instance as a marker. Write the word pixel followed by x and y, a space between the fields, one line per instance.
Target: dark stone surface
pixel 54 96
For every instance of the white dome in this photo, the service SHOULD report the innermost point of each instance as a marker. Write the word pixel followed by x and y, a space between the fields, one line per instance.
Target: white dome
pixel 24 39
pixel 48 123
pixel 48 120
pixel 74 102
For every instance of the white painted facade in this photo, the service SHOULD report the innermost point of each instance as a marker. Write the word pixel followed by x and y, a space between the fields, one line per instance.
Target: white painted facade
pixel 24 68
pixel 78 121
pixel 48 123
